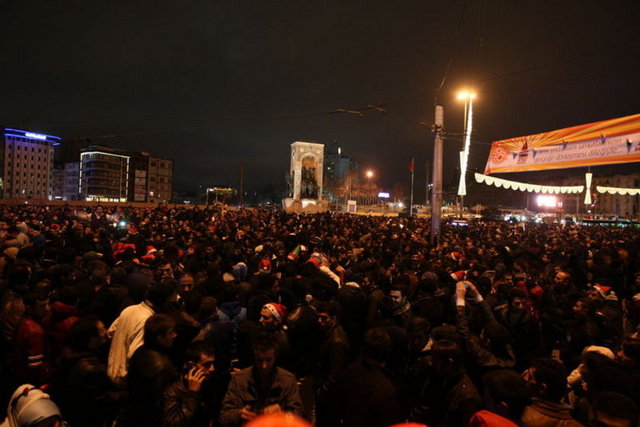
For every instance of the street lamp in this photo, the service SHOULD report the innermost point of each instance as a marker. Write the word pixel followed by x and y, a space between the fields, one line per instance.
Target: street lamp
pixel 467 97
pixel 369 175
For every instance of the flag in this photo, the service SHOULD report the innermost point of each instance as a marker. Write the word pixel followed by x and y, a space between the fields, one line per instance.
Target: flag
pixel 411 165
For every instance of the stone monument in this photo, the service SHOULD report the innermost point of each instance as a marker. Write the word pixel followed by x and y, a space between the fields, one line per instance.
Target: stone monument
pixel 305 177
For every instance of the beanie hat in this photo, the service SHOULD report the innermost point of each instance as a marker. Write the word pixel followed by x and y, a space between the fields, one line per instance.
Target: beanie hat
pixel 601 350
pixel 279 311
pixel 239 271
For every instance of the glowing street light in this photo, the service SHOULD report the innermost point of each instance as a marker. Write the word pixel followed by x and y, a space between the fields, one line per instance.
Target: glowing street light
pixel 465 94
pixel 467 97
pixel 369 175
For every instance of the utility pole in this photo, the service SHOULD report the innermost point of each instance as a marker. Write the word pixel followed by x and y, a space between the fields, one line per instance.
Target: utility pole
pixel 413 163
pixel 436 195
pixel 426 184
pixel 241 186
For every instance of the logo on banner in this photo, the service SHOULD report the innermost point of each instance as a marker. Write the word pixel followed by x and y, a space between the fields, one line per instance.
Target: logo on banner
pixel 498 155
pixel 524 153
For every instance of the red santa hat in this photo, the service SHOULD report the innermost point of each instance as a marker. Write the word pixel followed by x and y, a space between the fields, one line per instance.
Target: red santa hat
pixel 279 419
pixel 602 289
pixel 118 248
pixel 457 256
pixel 264 266
pixel 279 311
pixel 150 255
pixel 486 418
pixel 315 261
pixel 459 275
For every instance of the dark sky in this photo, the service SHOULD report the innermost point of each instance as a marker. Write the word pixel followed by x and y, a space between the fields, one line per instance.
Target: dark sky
pixel 215 85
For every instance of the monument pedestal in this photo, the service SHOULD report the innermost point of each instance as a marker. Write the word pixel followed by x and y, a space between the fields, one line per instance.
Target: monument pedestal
pixel 290 204
pixel 307 165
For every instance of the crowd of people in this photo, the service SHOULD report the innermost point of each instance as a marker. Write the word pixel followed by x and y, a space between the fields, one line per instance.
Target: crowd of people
pixel 216 317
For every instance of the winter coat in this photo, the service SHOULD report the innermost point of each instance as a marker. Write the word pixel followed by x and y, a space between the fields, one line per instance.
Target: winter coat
pixel 447 401
pixel 365 397
pixel 483 357
pixel 244 390
pixel 543 413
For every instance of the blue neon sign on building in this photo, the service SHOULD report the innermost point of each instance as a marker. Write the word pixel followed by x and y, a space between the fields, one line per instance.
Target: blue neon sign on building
pixel 17 133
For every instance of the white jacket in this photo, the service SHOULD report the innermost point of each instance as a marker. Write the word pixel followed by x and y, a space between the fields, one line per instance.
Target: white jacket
pixel 127 333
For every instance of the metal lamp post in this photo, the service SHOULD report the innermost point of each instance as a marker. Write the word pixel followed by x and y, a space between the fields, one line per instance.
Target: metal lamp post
pixel 468 98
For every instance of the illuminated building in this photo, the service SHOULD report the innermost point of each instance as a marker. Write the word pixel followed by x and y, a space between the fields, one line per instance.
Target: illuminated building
pixel 26 159
pixel 219 194
pixel 604 204
pixel 111 175
pixel 104 174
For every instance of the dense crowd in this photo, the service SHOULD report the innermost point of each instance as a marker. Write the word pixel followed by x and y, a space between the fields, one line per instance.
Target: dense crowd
pixel 214 317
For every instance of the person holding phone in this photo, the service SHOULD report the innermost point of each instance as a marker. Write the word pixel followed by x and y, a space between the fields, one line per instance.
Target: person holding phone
pixel 188 401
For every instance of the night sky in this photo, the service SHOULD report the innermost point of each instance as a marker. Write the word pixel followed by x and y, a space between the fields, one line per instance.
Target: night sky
pixel 215 85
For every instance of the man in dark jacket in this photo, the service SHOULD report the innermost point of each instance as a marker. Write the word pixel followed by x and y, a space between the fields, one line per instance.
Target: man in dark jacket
pixel 333 356
pixel 556 310
pixel 523 328
pixel 366 396
pixel 189 401
pixel 608 313
pixel 151 372
pixel 400 305
pixel 448 398
pixel 493 350
pixel 262 388
pixel 547 380
pixel 81 386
